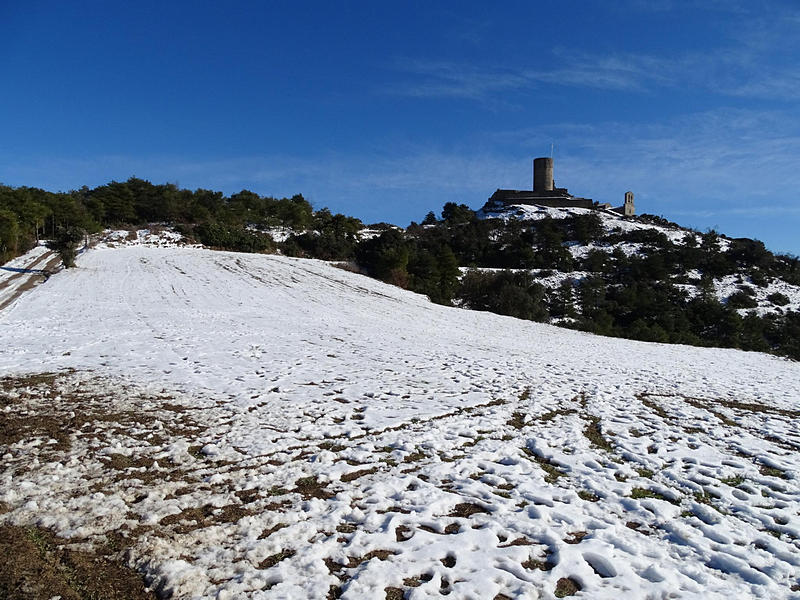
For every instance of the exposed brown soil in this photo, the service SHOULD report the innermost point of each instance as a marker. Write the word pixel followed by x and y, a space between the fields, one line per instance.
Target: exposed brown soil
pixel 356 474
pixel 33 278
pixel 309 487
pixel 38 566
pixel 467 509
pixel 274 559
pixel 566 586
pixel 575 537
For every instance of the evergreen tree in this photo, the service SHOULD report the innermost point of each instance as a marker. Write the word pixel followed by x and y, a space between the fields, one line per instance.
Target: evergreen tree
pixel 66 244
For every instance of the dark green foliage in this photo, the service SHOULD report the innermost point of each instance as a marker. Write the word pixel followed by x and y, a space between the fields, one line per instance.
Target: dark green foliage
pixel 434 273
pixel 587 228
pixel 741 299
pixel 228 223
pixel 515 294
pixel 385 257
pixel 66 244
pixel 332 237
pixel 9 235
pixel 238 239
pixel 457 214
pixel 778 299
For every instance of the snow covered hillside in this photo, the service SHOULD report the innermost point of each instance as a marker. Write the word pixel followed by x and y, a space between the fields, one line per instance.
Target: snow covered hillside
pixel 770 296
pixel 257 426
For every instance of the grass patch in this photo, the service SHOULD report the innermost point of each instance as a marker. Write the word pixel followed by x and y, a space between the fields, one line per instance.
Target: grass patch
pixel 517 420
pixel 593 433
pixel 704 498
pixel 549 416
pixel 640 493
pixel 772 472
pixel 653 406
pixel 553 472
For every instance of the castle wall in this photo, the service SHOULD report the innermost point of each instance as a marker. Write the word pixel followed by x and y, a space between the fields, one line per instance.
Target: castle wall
pixel 561 202
pixel 556 199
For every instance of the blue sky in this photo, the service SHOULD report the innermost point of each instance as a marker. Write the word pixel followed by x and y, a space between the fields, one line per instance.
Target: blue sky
pixel 386 110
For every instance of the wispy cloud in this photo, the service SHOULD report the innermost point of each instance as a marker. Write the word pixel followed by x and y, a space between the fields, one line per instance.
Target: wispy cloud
pixel 720 160
pixel 454 80
pixel 756 59
pixel 445 79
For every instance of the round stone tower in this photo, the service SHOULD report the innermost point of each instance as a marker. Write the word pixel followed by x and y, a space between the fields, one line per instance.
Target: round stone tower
pixel 543 174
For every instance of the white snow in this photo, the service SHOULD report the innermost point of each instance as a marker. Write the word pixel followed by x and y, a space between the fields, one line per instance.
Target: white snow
pixel 460 453
pixel 730 284
pixel 25 270
pixel 162 237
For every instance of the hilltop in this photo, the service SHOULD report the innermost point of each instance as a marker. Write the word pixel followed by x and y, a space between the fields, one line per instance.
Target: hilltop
pixel 638 277
pixel 240 424
pixel 747 284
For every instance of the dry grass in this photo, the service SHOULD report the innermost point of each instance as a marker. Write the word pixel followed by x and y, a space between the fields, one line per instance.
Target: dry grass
pixel 37 565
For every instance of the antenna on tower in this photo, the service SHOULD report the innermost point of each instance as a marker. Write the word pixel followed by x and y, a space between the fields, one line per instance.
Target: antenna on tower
pixel 551 149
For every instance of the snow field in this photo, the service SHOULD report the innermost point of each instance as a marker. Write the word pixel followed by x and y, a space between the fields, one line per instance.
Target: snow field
pixel 265 427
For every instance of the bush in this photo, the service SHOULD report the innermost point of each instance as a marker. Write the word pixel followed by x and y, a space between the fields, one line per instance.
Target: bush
pixel 233 238
pixel 778 299
pixel 66 245
pixel 741 299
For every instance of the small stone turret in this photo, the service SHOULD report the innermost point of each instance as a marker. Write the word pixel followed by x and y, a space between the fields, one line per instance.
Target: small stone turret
pixel 628 209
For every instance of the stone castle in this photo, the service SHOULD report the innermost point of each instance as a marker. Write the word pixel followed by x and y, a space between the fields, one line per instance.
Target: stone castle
pixel 545 193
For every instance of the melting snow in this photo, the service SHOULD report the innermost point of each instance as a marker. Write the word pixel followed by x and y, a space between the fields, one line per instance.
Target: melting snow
pixel 270 427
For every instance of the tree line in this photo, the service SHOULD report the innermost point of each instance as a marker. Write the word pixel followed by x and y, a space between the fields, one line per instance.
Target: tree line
pixel 460 259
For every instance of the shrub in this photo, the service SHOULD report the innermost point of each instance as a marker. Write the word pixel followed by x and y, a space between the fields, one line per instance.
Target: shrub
pixel 778 299
pixel 66 244
pixel 741 299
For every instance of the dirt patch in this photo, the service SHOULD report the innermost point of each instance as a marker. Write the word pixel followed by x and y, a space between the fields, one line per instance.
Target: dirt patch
pixel 356 474
pixel 542 564
pixel 393 593
pixel 36 566
pixel 403 533
pixel 549 416
pixel 310 487
pixel 199 517
pixel 467 509
pixel 33 277
pixel 274 559
pixel 566 586
pixel 575 537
